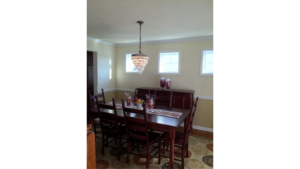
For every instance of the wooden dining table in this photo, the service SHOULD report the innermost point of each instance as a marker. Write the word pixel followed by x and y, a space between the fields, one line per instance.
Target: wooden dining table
pixel 155 122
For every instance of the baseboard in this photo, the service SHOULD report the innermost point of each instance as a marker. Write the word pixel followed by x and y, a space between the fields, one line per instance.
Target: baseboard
pixel 200 128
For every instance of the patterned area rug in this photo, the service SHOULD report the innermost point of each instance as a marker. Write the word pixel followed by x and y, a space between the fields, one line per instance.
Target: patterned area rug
pixel 200 156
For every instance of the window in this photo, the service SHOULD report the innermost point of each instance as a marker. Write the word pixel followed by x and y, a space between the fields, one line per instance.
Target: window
pixel 129 66
pixel 207 62
pixel 168 62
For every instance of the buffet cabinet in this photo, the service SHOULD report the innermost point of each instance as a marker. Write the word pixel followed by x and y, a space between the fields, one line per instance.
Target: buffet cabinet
pixel 179 98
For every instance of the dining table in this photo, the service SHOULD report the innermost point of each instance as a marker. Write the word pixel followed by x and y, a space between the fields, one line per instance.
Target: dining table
pixel 155 122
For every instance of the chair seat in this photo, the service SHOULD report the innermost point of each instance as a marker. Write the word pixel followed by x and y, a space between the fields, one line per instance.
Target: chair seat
pixel 97 122
pixel 152 138
pixel 178 138
pixel 122 131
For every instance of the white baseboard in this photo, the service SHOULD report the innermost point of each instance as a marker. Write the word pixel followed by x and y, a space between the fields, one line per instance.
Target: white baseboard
pixel 200 128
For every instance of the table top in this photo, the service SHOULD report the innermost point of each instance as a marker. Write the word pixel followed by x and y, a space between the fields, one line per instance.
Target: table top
pixel 167 121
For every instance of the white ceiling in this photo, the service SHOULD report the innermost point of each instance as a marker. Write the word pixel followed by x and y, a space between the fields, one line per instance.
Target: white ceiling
pixel 114 21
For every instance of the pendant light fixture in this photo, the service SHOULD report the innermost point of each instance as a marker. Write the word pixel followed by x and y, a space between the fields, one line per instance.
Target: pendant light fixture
pixel 140 60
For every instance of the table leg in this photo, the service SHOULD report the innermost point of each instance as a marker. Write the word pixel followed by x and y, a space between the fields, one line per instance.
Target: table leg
pixel 172 138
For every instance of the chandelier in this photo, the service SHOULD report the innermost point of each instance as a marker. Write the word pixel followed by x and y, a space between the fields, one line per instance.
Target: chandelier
pixel 140 60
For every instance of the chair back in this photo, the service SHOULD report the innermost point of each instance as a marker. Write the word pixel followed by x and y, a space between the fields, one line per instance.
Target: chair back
pixel 108 121
pixel 96 98
pixel 190 118
pixel 139 125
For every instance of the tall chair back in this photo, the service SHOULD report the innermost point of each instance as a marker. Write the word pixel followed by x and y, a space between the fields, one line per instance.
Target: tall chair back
pixel 108 121
pixel 188 127
pixel 100 98
pixel 136 124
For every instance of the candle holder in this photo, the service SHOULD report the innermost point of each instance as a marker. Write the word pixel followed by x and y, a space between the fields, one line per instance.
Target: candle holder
pixel 162 82
pixel 128 98
pixel 168 83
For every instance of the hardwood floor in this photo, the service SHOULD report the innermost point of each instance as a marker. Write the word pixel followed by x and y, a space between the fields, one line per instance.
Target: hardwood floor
pixel 200 133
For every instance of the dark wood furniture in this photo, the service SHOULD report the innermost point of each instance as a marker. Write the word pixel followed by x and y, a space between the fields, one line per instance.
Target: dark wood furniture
pixel 181 138
pixel 100 98
pixel 90 73
pixel 94 99
pixel 110 127
pixel 160 123
pixel 163 99
pixel 137 133
pixel 140 94
pixel 180 98
pixel 91 152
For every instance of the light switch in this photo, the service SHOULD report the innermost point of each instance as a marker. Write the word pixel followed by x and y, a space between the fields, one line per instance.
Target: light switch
pixel 100 77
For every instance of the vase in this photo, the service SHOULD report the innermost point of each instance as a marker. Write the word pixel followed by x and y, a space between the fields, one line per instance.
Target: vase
pixel 139 106
pixel 162 82
pixel 168 83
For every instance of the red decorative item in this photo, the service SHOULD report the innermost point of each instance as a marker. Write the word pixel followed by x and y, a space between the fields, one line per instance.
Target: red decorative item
pixel 128 100
pixel 150 103
pixel 168 83
pixel 162 82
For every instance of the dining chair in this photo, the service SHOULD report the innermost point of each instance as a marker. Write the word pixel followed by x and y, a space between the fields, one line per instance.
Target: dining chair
pixel 94 99
pixel 100 98
pixel 137 133
pixel 196 103
pixel 110 127
pixel 181 139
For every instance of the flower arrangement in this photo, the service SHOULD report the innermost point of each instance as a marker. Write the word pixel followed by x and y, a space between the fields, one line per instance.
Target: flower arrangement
pixel 136 100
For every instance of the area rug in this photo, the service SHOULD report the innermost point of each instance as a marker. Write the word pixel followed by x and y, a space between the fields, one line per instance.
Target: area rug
pixel 200 157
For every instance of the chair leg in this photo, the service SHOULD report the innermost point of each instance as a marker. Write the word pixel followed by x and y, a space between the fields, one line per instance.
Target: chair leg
pixel 187 150
pixel 182 157
pixel 159 146
pixel 133 146
pixel 119 148
pixel 127 161
pixel 106 141
pixel 148 157
pixel 164 145
pixel 103 144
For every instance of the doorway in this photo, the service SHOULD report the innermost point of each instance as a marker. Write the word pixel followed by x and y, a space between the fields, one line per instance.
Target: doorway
pixel 90 73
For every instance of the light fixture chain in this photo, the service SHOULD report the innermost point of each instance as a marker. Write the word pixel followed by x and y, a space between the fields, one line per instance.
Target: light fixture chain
pixel 140 38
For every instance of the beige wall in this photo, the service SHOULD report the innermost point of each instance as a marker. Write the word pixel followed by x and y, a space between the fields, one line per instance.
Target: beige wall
pixel 189 78
pixel 109 95
pixel 204 113
pixel 105 62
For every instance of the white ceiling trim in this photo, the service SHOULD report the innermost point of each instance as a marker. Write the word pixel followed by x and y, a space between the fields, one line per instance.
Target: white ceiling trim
pixel 167 41
pixel 100 41
pixel 153 42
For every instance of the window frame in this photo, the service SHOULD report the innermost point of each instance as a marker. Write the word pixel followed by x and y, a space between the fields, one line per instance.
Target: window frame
pixel 179 60
pixel 201 63
pixel 126 65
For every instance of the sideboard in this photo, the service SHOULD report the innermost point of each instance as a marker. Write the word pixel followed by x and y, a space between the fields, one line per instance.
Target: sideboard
pixel 180 98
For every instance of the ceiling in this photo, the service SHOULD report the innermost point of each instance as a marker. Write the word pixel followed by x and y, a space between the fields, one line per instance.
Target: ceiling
pixel 114 21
